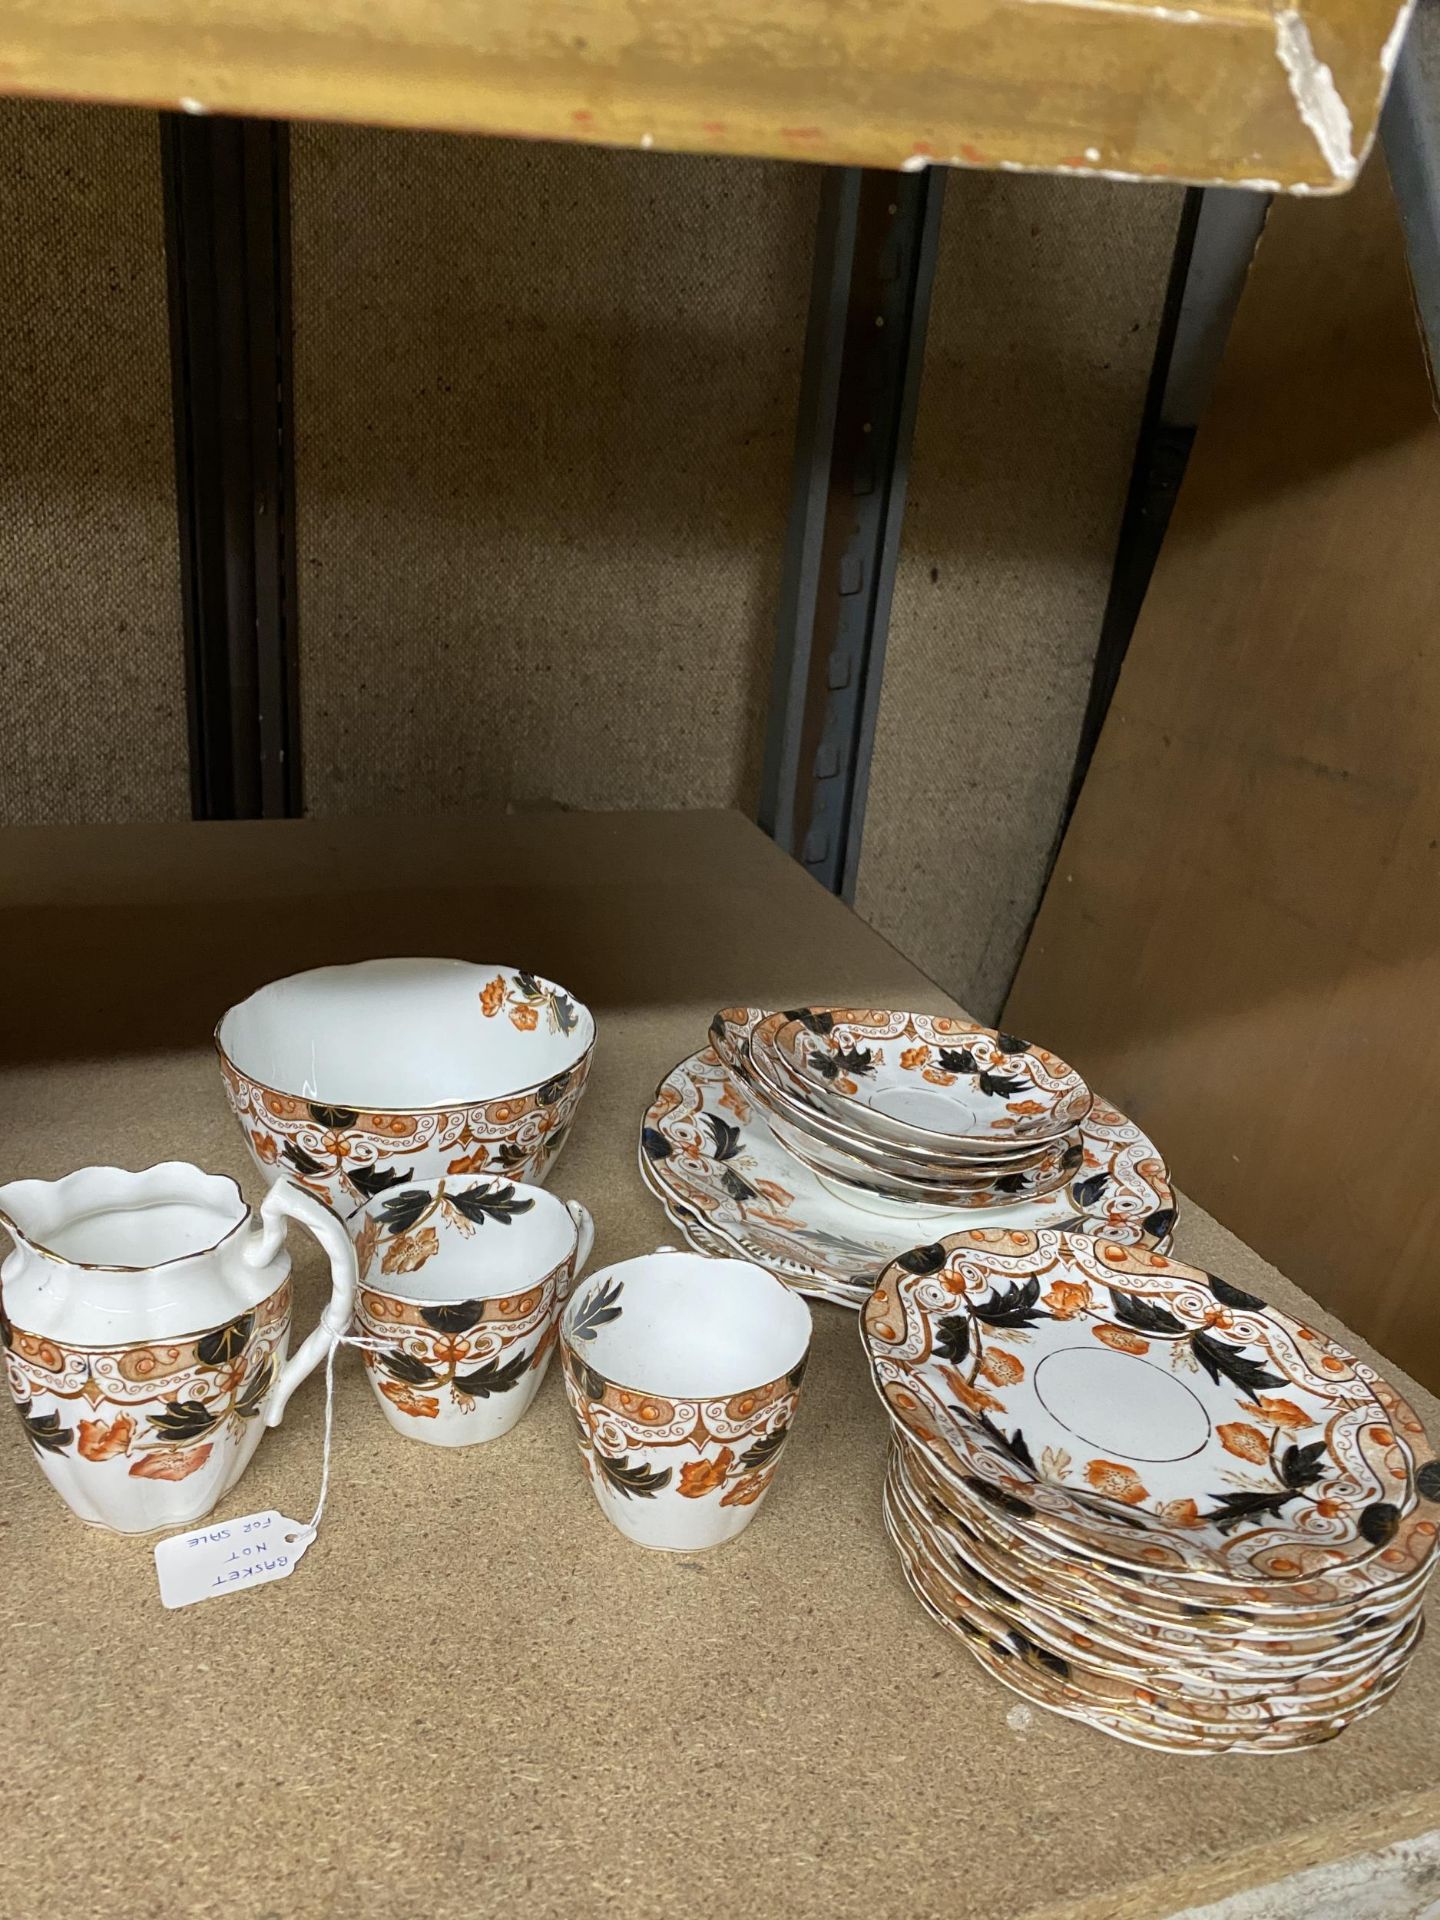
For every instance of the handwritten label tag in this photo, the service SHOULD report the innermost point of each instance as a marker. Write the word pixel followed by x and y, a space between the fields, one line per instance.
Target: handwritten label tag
pixel 229 1557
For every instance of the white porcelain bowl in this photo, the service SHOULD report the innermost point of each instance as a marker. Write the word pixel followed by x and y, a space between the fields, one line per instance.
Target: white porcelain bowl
pixel 353 1079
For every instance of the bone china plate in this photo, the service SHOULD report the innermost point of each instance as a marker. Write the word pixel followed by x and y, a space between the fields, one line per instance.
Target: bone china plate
pixel 1148 1410
pixel 707 1151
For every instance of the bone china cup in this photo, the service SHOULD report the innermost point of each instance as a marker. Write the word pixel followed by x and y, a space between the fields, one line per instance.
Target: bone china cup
pixel 683 1375
pixel 353 1079
pixel 461 1287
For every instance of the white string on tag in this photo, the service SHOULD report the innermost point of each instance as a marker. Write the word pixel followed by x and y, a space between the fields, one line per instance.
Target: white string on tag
pixel 254 1549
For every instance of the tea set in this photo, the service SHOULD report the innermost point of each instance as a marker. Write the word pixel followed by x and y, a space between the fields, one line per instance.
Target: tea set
pixel 1142 1497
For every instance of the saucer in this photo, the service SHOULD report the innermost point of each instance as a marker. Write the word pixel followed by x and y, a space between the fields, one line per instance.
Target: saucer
pixel 929 1075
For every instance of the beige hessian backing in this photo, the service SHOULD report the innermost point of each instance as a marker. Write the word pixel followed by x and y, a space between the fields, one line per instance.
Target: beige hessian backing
pixel 474 1697
pixel 1242 937
pixel 92 691
pixel 545 411
pixel 1041 337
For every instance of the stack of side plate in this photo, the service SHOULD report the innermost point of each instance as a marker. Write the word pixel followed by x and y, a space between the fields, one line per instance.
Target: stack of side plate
pixel 1146 1499
pixel 730 1185
pixel 898 1109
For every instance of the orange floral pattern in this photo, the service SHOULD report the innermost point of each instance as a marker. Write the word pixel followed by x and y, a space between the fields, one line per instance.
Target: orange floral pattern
pixel 1279 1413
pixel 1067 1298
pixel 698 1477
pixel 1121 1339
pixel 1246 1443
pixel 172 1466
pixel 102 1440
pixel 1116 1482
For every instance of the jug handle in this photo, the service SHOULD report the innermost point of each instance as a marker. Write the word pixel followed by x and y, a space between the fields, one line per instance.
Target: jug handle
pixel 584 1238
pixel 285 1201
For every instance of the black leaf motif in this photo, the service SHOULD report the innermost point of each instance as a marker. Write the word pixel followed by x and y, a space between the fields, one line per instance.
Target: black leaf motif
pixel 479 1204
pixel 553 1090
pixel 1231 1508
pixel 1089 1191
pixel 1236 1297
pixel 592 1384
pixel 598 1307
pixel 496 1376
pixel 301 1161
pixel 765 1449
pixel 1160 1222
pixel 724 1137
pixel 509 1155
pixel 43 1430
pixel 407 1367
pixel 855 1060
pixel 825 1065
pixel 337 1119
pixel 1016 1306
pixel 1379 1523
pixel 737 1188
pixel 1427 1479
pixel 453 1316
pixel 654 1145
pixel 1303 1466
pixel 998 1497
pixel 226 1343
pixel 400 1211
pixel 1012 1183
pixel 1013 1444
pixel 958 1060
pixel 370 1181
pixel 1009 1044
pixel 636 1483
pixel 952 1337
pixel 1145 1316
pixel 184 1420
pixel 1073 1156
pixel 1219 1361
pixel 813 1019
pixel 1001 1085
pixel 257 1388
pixel 923 1259
pixel 528 985
pixel 566 1017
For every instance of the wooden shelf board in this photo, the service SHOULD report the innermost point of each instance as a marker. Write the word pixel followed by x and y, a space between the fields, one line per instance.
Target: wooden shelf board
pixel 1218 90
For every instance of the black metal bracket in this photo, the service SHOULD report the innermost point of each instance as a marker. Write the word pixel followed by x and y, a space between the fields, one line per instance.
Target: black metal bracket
pixel 875 248
pixel 227 235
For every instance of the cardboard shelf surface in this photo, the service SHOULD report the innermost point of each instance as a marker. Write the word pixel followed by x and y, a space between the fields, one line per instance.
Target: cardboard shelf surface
pixel 473 1695
pixel 1217 90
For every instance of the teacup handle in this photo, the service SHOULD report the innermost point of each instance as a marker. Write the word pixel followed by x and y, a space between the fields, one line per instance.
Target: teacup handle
pixel 285 1201
pixel 585 1238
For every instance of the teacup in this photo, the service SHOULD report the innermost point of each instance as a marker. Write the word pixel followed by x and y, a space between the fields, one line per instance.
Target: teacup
pixel 683 1374
pixel 353 1079
pixel 461 1287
